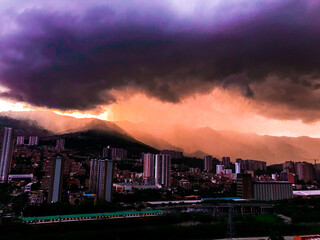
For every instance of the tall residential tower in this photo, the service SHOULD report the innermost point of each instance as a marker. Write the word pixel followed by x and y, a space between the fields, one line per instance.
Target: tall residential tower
pixel 148 168
pixel 56 180
pixel 162 170
pixel 101 178
pixel 6 154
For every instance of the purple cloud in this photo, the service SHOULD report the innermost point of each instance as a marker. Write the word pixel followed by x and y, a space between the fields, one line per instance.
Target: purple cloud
pixel 71 61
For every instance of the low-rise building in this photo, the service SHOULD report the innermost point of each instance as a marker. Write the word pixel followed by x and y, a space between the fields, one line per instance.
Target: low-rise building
pixel 272 190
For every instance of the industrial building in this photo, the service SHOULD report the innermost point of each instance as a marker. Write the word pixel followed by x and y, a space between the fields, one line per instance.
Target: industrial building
pixel 272 190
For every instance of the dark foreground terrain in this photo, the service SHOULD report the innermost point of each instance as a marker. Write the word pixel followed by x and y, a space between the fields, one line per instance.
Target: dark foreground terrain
pixel 188 226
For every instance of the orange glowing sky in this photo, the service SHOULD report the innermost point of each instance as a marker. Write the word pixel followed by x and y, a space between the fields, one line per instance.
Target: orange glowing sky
pixel 221 109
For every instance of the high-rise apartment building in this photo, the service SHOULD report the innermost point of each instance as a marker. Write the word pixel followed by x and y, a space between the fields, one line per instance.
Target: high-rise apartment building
pixel 237 168
pixel 33 141
pixel 244 186
pixel 6 154
pixel 20 140
pixel 226 162
pixel 55 190
pixel 101 178
pixel 252 165
pixel 60 144
pixel 172 153
pixel 288 167
pixel 208 163
pixel 148 168
pixel 304 170
pixel 317 170
pixel 114 153
pixel 162 170
pixel 156 169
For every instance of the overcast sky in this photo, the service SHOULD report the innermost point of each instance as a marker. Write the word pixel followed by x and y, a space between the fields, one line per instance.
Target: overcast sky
pixel 250 66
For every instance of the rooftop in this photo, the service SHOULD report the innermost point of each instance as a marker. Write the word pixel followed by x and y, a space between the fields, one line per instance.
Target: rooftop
pixel 307 193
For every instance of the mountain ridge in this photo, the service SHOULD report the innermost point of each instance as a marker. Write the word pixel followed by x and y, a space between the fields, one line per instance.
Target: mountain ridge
pixel 218 143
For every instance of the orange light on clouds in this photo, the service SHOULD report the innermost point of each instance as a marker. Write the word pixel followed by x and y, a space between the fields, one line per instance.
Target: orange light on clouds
pixel 102 116
pixel 11 106
pixel 222 109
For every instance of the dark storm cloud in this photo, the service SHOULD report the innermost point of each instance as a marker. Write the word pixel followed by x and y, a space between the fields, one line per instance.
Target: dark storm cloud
pixel 66 61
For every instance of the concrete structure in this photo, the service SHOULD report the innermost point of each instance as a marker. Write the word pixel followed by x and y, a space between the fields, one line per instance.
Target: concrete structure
pixel 148 168
pixel 237 168
pixel 114 153
pixel 20 140
pixel 291 178
pixel 120 187
pixel 317 170
pixel 55 190
pixel 162 168
pixel 33 141
pixel 272 191
pixel 172 153
pixel 93 182
pixel 252 165
pixel 220 169
pixel 101 178
pixel 60 144
pixel 244 186
pixel 307 194
pixel 226 162
pixel 304 170
pixel 12 177
pixel 284 176
pixel 288 167
pixel 209 163
pixel 6 154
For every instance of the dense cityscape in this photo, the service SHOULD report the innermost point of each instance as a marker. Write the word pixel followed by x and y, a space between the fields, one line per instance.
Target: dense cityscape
pixel 46 182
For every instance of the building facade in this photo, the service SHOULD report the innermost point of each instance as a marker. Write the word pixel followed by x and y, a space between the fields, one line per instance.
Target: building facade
pixel 226 162
pixel 60 144
pixel 172 153
pixel 101 178
pixel 220 169
pixel 20 140
pixel 244 186
pixel 208 163
pixel 55 190
pixel 237 168
pixel 33 141
pixel 272 191
pixel 162 170
pixel 148 168
pixel 114 153
pixel 304 171
pixel 252 165
pixel 6 154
